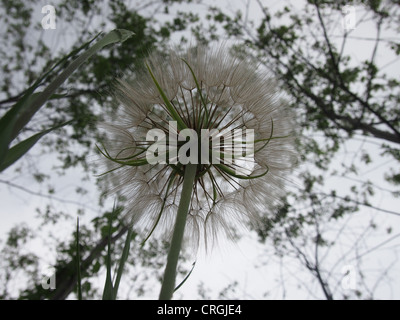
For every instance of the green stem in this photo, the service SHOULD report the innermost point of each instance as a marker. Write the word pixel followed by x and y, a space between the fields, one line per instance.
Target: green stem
pixel 168 285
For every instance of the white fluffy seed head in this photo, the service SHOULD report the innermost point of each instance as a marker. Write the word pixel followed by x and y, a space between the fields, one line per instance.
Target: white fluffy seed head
pixel 238 95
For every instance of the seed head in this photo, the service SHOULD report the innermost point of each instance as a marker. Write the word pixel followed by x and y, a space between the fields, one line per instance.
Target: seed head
pixel 206 107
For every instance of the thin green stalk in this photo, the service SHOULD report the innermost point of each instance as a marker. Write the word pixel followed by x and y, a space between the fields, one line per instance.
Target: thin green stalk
pixel 78 261
pixel 168 285
pixel 124 257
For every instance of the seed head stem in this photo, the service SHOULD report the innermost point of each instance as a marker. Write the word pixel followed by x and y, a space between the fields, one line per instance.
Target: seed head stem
pixel 168 284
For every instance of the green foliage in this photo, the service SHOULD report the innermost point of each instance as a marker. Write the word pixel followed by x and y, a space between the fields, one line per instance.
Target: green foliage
pixel 22 112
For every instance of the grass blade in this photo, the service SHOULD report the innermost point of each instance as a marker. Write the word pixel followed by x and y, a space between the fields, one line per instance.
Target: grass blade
pixel 17 151
pixel 108 293
pixel 112 37
pixel 187 276
pixel 78 261
pixel 22 112
pixel 124 257
pixel 7 123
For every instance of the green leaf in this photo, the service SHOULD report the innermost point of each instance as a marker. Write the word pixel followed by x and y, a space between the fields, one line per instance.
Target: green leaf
pixel 199 91
pixel 22 112
pixel 133 163
pixel 7 123
pixel 108 293
pixel 17 151
pixel 233 174
pixel 120 35
pixel 78 261
pixel 187 276
pixel 174 114
pixel 110 38
pixel 170 183
pixel 124 257
pixel 270 137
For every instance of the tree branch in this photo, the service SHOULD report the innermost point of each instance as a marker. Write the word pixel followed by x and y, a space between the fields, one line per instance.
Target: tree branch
pixel 314 268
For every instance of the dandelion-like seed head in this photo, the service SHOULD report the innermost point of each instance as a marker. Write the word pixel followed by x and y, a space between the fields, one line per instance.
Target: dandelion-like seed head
pixel 209 108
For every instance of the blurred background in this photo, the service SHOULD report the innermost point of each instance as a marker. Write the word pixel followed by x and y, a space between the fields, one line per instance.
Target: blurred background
pixel 337 234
